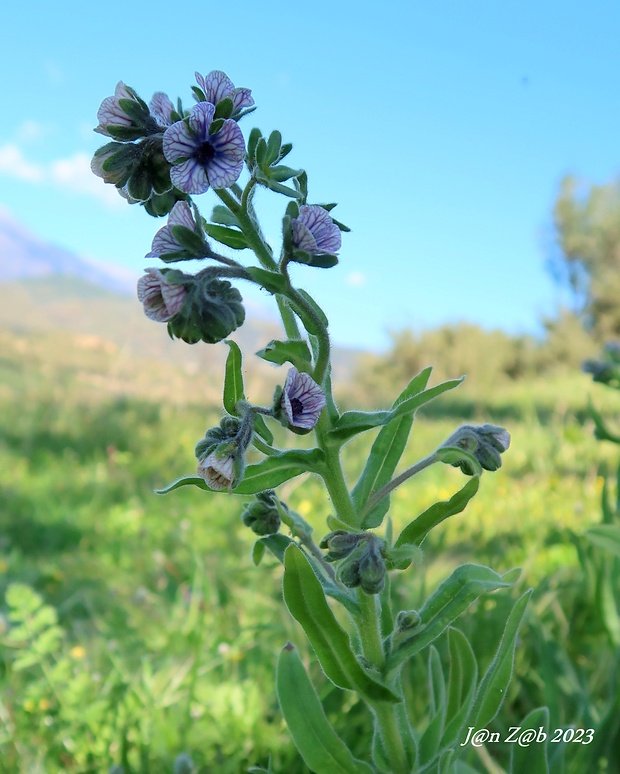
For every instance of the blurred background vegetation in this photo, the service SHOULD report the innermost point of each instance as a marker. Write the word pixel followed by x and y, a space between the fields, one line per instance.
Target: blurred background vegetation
pixel 134 628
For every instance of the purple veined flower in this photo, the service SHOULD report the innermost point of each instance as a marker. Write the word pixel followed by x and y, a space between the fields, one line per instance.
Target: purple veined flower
pixel 161 107
pixel 110 112
pixel 302 400
pixel 162 299
pixel 217 471
pixel 217 86
pixel 315 232
pixel 203 160
pixel 164 241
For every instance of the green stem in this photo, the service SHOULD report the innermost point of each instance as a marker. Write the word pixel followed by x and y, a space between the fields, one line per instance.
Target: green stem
pixel 385 491
pixel 322 362
pixel 252 236
pixel 369 624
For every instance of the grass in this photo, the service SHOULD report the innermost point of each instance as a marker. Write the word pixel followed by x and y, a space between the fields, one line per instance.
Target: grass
pixel 158 636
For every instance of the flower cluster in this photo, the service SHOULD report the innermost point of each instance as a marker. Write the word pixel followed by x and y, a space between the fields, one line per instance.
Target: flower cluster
pixel 161 153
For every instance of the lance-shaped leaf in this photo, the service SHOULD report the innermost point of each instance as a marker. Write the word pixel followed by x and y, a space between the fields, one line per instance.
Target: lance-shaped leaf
pixel 295 351
pixel 431 739
pixel 266 474
pixel 272 281
pixel 605 536
pixel 446 604
pixel 385 455
pixel 314 323
pixel 224 216
pixel 230 237
pixel 462 682
pixel 277 544
pixel 415 532
pixel 492 689
pixel 454 455
pixel 233 379
pixel 532 758
pixel 319 745
pixel 305 600
pixel 353 422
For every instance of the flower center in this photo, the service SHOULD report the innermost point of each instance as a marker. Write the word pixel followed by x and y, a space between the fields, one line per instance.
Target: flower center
pixel 297 406
pixel 204 153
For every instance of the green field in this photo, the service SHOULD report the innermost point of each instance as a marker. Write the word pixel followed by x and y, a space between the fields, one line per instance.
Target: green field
pixel 135 627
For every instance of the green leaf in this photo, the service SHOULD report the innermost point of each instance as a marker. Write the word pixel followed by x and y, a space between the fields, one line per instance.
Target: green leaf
pixel 446 604
pixel 318 260
pixel 321 748
pixel 293 351
pixel 305 600
pixel 412 404
pixel 185 481
pixel 532 758
pixel 275 470
pixel 272 281
pixel 384 456
pixel 189 240
pixel 261 429
pixel 253 139
pixel 462 681
pixel 277 544
pixel 351 423
pixel 282 173
pixel 605 536
pixel 233 379
pixel 308 321
pixel 227 236
pixel 415 532
pixel 492 689
pixel 431 738
pixel 274 144
pixel 266 474
pixel 224 216
pixel 454 455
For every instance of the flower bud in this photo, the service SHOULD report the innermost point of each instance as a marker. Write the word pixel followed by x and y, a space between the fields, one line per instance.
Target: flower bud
pixel 485 442
pixel 262 515
pixel 340 544
pixel 163 293
pixel 372 568
pixel 214 310
pixel 124 116
pixel 406 626
pixel 220 453
pixel 365 565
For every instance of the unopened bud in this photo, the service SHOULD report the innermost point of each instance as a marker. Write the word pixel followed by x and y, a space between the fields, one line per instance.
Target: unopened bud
pixel 372 568
pixel 407 625
pixel 262 515
pixel 485 442
pixel 340 543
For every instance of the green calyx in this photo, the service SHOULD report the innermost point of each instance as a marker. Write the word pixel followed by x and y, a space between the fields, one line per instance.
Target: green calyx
pixel 213 310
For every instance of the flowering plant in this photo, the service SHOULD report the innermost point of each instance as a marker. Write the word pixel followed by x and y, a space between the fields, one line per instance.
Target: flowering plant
pixel 161 155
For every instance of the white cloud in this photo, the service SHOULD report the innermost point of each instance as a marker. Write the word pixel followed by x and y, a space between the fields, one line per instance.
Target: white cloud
pixel 14 164
pixel 356 279
pixel 29 131
pixel 75 174
pixel 72 174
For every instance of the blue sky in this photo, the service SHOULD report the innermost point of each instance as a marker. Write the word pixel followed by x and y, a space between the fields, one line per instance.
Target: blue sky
pixel 442 130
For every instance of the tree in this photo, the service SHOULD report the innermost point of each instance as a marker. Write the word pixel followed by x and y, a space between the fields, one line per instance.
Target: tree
pixel 587 259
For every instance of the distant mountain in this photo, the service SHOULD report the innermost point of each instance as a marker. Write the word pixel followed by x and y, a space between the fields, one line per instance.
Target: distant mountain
pixel 23 255
pixel 48 288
